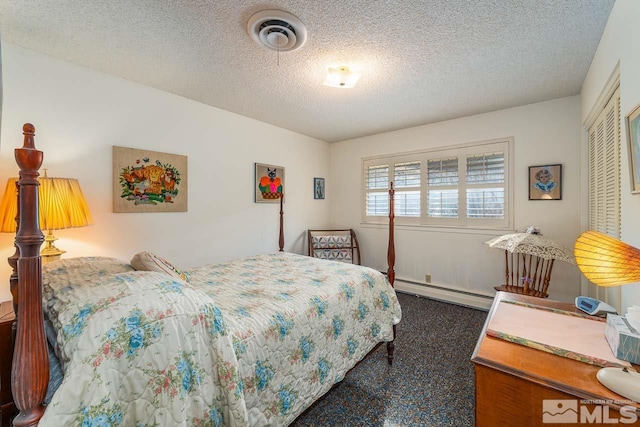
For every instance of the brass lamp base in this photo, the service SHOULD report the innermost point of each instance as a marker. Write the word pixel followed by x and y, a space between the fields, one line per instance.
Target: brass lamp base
pixel 50 252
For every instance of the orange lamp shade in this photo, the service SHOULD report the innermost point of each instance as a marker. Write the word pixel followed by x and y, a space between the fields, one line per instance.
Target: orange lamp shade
pixel 61 205
pixel 606 261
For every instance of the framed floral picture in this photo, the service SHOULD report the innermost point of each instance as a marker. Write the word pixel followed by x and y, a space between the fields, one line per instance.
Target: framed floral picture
pixel 545 182
pixel 148 181
pixel 633 136
pixel 269 183
pixel 318 188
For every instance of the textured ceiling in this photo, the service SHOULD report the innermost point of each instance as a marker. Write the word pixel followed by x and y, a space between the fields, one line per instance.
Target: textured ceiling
pixel 421 61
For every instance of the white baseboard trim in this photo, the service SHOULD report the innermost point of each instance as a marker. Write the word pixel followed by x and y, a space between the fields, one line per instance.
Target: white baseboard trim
pixel 462 298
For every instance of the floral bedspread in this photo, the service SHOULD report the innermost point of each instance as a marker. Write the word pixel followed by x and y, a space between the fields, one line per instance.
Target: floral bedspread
pixel 251 342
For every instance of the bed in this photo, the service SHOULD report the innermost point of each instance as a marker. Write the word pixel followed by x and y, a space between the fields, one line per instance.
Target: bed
pixel 253 341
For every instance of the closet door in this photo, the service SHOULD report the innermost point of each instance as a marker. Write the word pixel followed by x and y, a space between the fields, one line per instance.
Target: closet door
pixel 604 180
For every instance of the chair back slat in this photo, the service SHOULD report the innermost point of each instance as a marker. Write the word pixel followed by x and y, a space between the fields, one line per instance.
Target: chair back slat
pixel 526 274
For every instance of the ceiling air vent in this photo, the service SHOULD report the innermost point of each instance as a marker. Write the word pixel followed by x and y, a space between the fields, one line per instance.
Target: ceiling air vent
pixel 277 30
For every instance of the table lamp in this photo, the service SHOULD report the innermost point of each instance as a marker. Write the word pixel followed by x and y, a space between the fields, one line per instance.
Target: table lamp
pixel 61 205
pixel 606 261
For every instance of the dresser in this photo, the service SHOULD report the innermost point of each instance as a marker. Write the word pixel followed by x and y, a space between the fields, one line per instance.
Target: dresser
pixel 7 409
pixel 515 384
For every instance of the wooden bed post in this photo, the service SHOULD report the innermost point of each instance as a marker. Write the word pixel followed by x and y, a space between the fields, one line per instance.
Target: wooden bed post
pixel 391 249
pixel 11 411
pixel 30 367
pixel 391 261
pixel 281 240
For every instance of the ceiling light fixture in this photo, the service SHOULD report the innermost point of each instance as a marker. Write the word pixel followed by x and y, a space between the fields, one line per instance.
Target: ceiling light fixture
pixel 341 77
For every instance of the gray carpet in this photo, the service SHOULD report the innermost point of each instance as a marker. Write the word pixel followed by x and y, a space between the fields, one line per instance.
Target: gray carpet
pixel 431 382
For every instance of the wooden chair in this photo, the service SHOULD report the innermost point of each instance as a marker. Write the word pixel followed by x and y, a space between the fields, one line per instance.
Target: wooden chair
pixel 336 245
pixel 526 274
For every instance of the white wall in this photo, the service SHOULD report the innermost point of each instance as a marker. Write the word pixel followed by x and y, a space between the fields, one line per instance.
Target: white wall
pixel 619 45
pixel 80 114
pixel 544 133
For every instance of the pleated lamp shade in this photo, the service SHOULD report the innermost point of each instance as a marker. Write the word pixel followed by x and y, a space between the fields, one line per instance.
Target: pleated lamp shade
pixel 606 261
pixel 61 204
pixel 9 207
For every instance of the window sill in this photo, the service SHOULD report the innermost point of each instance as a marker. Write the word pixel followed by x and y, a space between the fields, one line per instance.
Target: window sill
pixel 440 229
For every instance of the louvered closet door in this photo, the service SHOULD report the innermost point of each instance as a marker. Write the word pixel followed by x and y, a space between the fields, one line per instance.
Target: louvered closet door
pixel 604 182
pixel 604 170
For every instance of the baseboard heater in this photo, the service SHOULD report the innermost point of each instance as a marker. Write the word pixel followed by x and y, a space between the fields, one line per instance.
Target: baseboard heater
pixel 443 293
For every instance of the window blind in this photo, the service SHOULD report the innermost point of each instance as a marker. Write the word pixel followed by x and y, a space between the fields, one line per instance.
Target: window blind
pixel 407 185
pixel 485 200
pixel 442 202
pixel 485 168
pixel 442 172
pixel 377 184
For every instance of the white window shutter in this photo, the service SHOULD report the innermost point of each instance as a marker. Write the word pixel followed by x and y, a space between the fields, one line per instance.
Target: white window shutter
pixel 485 191
pixel 461 186
pixel 377 185
pixel 407 184
pixel 442 183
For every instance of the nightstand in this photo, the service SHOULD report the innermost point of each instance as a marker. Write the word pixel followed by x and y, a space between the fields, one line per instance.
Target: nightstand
pixel 7 408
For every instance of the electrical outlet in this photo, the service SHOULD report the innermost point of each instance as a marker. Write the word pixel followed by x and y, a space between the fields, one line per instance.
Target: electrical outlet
pixel 427 278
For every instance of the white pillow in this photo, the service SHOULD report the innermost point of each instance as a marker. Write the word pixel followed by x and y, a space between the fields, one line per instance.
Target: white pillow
pixel 147 261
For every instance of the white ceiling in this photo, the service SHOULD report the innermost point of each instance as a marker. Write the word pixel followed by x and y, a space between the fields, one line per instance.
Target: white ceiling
pixel 421 61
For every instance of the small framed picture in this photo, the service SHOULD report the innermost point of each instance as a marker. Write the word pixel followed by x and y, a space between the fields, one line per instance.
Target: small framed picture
pixel 633 135
pixel 545 182
pixel 318 188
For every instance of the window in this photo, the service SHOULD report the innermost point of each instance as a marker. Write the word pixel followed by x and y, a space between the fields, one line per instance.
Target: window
pixel 464 186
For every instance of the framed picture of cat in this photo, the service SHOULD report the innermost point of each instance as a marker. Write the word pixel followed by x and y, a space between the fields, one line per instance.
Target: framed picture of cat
pixel 269 183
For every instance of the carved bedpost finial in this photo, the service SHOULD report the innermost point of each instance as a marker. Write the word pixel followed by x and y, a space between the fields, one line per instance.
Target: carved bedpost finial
pixel 29 130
